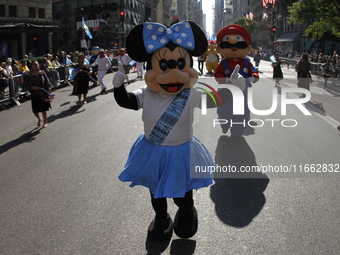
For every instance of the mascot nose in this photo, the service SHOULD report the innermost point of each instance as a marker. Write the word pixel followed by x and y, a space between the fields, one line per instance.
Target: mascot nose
pixel 172 64
pixel 232 40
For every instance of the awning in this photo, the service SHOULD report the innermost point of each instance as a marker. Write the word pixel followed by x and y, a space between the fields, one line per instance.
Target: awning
pixel 13 25
pixel 288 37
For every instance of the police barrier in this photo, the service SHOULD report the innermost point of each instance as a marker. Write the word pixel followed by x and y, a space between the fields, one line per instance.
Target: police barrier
pixel 316 69
pixel 15 89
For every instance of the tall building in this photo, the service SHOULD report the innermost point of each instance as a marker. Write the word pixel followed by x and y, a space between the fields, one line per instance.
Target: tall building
pixel 46 26
pixel 224 14
pixel 108 22
pixel 26 27
pixel 195 13
pixel 274 31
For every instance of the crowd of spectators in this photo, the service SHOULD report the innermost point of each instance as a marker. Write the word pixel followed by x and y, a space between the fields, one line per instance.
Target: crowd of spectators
pixel 11 68
pixel 331 62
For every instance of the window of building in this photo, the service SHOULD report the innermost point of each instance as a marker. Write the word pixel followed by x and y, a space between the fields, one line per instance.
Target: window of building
pixel 31 12
pixel 12 11
pixel 41 13
pixel 2 10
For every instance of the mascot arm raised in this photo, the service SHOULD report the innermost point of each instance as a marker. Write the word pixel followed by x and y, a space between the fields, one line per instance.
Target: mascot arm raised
pixel 225 94
pixel 235 78
pixel 123 98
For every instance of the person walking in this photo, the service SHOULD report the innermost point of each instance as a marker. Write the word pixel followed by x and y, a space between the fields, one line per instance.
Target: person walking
pixel 39 85
pixel 257 59
pixel 124 58
pixel 201 60
pixel 139 67
pixel 103 63
pixel 81 80
pixel 303 69
pixel 277 71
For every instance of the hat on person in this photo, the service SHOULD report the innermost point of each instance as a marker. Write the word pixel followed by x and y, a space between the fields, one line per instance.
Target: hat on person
pixel 102 50
pixel 8 60
pixel 95 48
pixel 234 29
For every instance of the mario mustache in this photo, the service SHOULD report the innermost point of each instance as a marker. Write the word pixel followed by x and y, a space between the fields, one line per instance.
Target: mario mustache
pixel 239 45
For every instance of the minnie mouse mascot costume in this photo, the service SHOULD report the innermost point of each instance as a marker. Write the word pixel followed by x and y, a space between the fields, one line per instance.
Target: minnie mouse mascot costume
pixel 161 157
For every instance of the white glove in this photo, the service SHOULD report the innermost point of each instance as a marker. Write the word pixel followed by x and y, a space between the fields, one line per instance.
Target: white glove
pixel 252 79
pixel 119 77
pixel 237 79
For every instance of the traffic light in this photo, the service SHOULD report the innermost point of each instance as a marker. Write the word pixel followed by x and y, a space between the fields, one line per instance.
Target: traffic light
pixel 274 29
pixel 276 44
pixel 122 15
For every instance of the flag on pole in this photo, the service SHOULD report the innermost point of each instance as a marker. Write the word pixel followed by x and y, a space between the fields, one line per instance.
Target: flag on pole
pixel 87 30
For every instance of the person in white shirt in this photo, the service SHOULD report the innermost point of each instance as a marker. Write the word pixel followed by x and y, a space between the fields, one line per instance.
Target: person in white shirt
pixel 139 66
pixel 9 67
pixel 103 63
pixel 55 62
pixel 125 60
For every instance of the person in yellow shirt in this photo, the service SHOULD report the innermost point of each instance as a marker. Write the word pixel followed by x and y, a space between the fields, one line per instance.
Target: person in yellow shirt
pixel 23 68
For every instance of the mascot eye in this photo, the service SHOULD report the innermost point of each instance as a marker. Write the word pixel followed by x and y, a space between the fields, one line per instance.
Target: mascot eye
pixel 239 38
pixel 226 39
pixel 181 63
pixel 163 65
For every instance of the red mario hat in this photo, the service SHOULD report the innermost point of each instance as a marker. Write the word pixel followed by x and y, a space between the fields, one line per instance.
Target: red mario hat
pixel 234 29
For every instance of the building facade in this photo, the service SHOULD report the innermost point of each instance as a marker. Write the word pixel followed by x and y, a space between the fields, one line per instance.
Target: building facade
pixel 109 22
pixel 26 27
pixel 38 27
pixel 224 13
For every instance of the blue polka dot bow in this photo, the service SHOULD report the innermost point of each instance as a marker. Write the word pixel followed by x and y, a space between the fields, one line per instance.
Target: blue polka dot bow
pixel 156 36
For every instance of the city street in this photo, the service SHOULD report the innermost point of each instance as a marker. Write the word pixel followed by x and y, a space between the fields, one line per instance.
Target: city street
pixel 59 191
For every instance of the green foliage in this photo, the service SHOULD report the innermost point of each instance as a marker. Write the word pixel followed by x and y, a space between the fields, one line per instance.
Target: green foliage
pixel 250 25
pixel 321 16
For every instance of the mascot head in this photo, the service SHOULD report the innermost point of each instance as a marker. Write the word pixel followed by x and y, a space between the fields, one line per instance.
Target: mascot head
pixel 233 41
pixel 168 53
pixel 95 50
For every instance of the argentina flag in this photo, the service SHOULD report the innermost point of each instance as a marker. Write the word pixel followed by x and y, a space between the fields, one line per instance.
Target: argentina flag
pixel 87 30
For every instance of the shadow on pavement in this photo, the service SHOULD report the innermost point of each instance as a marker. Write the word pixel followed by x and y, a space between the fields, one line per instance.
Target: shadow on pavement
pixel 69 112
pixel 238 197
pixel 178 247
pixel 24 138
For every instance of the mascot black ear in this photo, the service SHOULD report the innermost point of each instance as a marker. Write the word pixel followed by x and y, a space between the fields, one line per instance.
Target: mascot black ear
pixel 201 42
pixel 135 46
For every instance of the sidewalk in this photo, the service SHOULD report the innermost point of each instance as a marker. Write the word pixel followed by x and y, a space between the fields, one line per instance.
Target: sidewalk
pixel 327 101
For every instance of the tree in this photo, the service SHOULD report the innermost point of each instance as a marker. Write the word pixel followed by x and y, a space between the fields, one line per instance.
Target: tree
pixel 250 25
pixel 321 16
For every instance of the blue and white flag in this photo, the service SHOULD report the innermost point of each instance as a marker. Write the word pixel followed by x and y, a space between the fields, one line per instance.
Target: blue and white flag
pixel 87 30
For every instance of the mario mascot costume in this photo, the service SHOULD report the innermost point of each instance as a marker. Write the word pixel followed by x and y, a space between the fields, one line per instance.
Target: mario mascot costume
pixel 161 157
pixel 212 59
pixel 233 43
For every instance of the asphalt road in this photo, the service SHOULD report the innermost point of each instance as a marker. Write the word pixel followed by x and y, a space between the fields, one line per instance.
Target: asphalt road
pixel 59 192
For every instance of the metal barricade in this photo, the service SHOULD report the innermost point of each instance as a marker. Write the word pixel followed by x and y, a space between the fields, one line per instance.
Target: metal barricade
pixel 64 75
pixel 13 89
